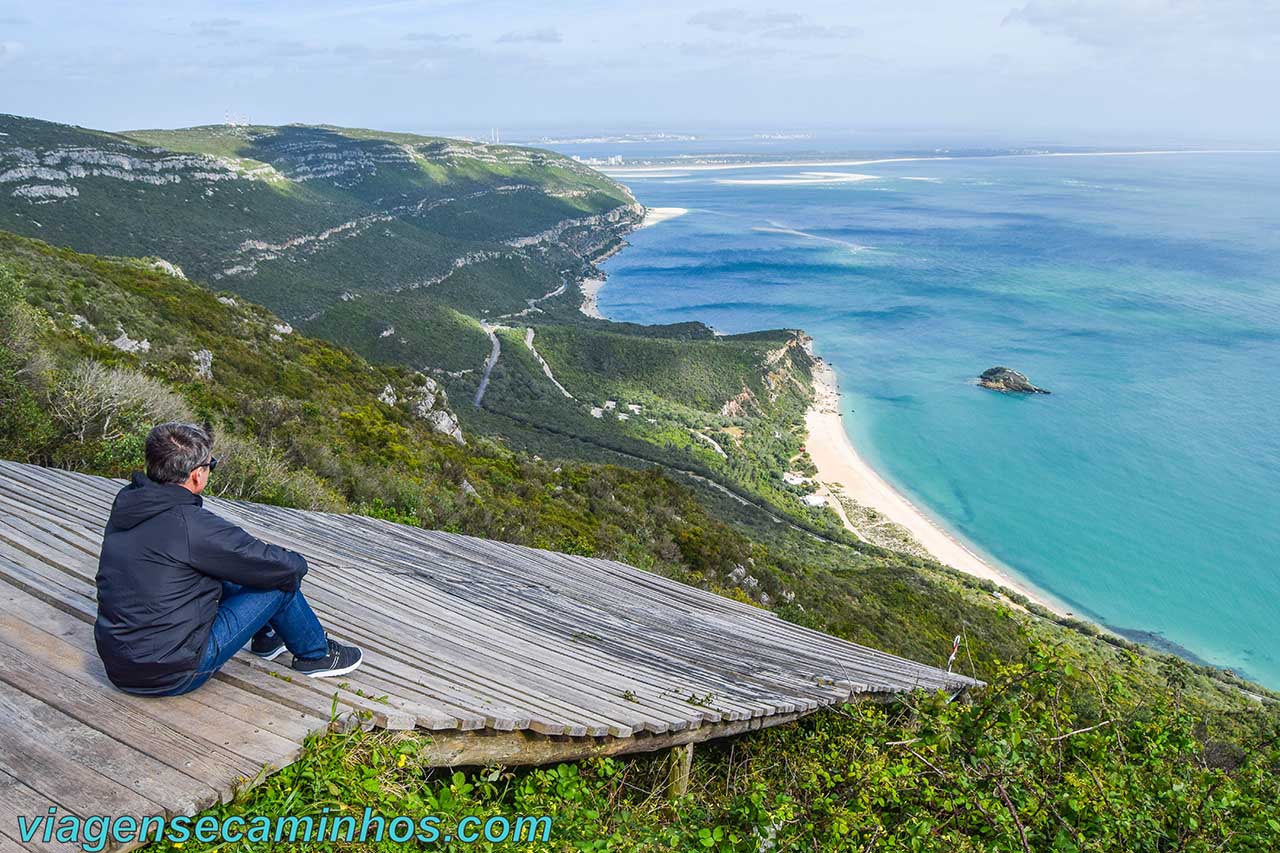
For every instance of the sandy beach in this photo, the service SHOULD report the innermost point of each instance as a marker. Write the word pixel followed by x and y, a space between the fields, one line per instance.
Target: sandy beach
pixel 840 466
pixel 590 304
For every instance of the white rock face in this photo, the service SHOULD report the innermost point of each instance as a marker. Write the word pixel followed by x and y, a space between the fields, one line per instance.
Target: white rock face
pixel 51 175
pixel 612 217
pixel 444 422
pixel 428 392
pixel 431 404
pixel 124 343
pixel 80 322
pixel 168 268
pixel 204 363
pixel 387 332
pixel 283 329
pixel 597 412
pixel 228 301
pixel 388 395
pixel 45 193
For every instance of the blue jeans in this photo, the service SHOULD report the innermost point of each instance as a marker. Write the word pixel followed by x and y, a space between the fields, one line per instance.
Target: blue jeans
pixel 242 613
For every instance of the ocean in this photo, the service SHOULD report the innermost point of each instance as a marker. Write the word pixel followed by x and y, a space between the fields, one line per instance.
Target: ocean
pixel 1143 291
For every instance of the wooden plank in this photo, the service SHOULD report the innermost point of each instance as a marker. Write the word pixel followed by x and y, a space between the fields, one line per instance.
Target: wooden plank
pixel 169 791
pixel 125 718
pixel 19 800
pixel 391 630
pixel 34 513
pixel 42 583
pixel 681 661
pixel 480 662
pixel 14 532
pixel 67 652
pixel 89 538
pixel 38 581
pixel 42 487
pixel 49 772
pixel 353 542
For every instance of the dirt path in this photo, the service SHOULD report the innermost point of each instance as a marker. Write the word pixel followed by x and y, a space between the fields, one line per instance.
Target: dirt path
pixel 546 368
pixel 492 332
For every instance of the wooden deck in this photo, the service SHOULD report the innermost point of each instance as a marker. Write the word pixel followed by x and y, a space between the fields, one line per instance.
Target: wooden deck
pixel 508 654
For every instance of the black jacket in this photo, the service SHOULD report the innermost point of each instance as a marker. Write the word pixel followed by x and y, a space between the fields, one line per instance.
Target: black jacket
pixel 164 558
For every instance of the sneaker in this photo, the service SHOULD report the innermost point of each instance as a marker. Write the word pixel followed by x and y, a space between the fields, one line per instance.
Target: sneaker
pixel 340 660
pixel 267 644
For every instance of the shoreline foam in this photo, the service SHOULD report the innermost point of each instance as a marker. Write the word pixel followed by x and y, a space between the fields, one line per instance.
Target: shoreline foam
pixel 840 466
pixel 641 170
pixel 654 215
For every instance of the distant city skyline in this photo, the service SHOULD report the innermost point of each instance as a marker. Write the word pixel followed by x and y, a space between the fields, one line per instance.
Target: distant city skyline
pixel 1074 71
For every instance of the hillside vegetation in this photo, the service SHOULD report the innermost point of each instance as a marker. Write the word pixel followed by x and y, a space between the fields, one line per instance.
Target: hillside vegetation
pixel 306 219
pixel 403 248
pixel 1081 743
pixel 330 299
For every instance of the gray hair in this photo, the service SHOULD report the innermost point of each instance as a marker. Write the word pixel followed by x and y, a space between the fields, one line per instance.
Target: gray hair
pixel 174 450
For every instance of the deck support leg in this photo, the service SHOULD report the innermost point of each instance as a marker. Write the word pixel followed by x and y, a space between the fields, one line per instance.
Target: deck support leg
pixel 679 762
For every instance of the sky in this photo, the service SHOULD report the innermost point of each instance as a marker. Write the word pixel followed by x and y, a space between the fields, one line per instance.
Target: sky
pixel 1072 71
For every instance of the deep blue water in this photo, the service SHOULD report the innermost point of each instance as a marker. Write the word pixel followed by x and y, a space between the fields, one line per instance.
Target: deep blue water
pixel 1143 291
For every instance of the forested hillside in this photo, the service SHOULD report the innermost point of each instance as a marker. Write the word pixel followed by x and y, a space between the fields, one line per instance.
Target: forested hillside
pixel 432 255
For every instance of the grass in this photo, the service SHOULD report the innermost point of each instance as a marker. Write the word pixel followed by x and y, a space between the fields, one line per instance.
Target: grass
pixel 1033 763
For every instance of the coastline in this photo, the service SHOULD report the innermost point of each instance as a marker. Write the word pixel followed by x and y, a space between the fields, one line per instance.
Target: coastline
pixel 840 467
pixel 841 470
pixel 590 287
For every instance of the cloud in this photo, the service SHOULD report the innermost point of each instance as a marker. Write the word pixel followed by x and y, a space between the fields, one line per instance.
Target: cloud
pixel 216 26
pixel 737 20
pixel 545 35
pixel 726 50
pixel 812 31
pixel 436 38
pixel 1121 23
pixel 768 24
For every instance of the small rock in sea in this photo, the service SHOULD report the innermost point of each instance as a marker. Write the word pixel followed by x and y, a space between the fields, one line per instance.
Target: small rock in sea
pixel 1008 381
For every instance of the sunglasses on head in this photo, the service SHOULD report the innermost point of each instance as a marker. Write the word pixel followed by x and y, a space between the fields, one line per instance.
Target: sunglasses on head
pixel 212 464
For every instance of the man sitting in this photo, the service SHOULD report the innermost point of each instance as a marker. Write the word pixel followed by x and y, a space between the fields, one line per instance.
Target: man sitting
pixel 181 590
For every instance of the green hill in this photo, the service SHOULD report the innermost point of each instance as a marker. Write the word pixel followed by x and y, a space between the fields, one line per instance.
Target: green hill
pixel 402 248
pixel 303 219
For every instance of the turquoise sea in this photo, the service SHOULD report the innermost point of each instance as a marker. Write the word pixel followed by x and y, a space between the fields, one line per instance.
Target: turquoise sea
pixel 1143 291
